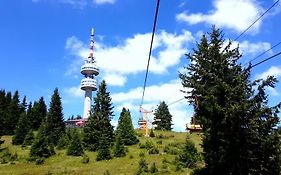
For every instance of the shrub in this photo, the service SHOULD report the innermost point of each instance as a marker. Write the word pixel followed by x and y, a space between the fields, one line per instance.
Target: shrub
pixel 143 166
pixel 106 173
pixel 153 150
pixel 153 168
pixel 151 134
pixel 85 159
pixel 142 154
pixel 188 156
pixel 39 161
pixel 75 147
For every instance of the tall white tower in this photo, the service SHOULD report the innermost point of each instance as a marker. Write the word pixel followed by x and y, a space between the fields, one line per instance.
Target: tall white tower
pixel 88 83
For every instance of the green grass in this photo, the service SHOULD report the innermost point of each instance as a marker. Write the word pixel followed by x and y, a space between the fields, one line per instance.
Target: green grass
pixel 60 163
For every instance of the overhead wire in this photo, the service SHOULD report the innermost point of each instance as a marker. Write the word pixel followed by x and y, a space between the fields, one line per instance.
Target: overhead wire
pixel 262 53
pixel 256 20
pixel 150 50
pixel 269 58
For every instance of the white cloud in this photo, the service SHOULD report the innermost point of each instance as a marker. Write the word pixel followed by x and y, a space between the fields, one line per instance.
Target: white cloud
pixel 272 71
pixel 250 48
pixel 104 1
pixel 115 79
pixel 236 15
pixel 74 91
pixel 130 56
pixel 247 47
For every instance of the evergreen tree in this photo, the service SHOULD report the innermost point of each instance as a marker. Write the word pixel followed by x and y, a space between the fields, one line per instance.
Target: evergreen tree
pixel 13 113
pixel 2 110
pixel 119 149
pixel 238 126
pixel 75 147
pixel 63 142
pixel 151 134
pixel 103 149
pixel 41 147
pixel 189 156
pixel 99 120
pixel 125 128
pixel 21 130
pixel 23 105
pixel 55 124
pixel 163 118
pixel 29 138
pixel 39 113
pixel 92 133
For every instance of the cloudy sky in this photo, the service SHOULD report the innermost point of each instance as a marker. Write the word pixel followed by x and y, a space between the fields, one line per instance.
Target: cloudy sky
pixel 43 44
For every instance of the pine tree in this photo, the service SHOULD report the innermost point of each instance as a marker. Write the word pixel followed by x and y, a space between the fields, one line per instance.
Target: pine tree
pixel 125 129
pixel 75 147
pixel 189 156
pixel 119 149
pixel 39 113
pixel 2 111
pixel 29 138
pixel 41 147
pixel 163 118
pixel 13 114
pixel 55 124
pixel 63 142
pixel 23 105
pixel 92 133
pixel 239 128
pixel 103 149
pixel 21 130
pixel 99 121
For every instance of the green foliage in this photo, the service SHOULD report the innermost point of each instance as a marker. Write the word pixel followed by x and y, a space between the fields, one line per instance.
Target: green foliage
pixel 106 173
pixel 6 156
pixel 119 149
pixel 99 121
pixel 163 118
pixel 63 142
pixel 85 159
pixel 29 138
pixel 153 150
pixel 153 168
pixel 10 111
pixel 147 145
pixel 39 161
pixel 151 134
pixel 75 147
pixel 189 155
pixel 54 122
pixel 41 147
pixel 38 113
pixel 92 133
pixel 143 166
pixel 125 128
pixel 22 129
pixel 239 128
pixel 104 149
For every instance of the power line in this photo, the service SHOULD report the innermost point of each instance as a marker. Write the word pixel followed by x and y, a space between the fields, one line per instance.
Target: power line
pixel 256 20
pixel 265 60
pixel 150 50
pixel 263 53
pixel 175 101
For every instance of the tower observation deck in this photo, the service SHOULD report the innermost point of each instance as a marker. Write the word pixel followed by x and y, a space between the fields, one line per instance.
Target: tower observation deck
pixel 89 83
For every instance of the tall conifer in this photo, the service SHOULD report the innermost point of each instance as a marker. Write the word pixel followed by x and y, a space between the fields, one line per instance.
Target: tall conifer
pixel 163 118
pixel 239 128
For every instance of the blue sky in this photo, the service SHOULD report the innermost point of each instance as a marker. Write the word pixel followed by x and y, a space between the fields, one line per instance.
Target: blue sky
pixel 43 44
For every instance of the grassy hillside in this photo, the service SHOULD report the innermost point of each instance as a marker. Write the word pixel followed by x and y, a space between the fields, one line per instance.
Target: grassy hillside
pixel 63 164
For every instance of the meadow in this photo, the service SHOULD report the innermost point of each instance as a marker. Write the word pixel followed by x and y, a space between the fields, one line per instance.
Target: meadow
pixel 168 144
